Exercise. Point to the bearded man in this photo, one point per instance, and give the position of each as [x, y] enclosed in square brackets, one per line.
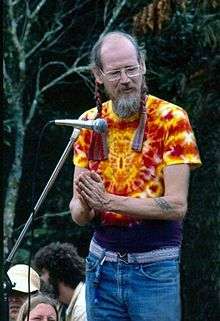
[132, 182]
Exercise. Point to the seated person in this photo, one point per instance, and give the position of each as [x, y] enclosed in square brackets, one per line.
[60, 265]
[18, 274]
[41, 308]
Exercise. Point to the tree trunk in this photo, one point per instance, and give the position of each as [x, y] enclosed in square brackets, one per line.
[14, 177]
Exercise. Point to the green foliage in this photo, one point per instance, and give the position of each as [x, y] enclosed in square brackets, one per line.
[181, 55]
[49, 228]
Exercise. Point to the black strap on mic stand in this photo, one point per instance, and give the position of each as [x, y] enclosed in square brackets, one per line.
[7, 284]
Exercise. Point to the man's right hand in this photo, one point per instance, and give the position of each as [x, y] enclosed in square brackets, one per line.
[80, 210]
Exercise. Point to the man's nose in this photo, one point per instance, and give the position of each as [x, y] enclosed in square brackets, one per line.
[124, 77]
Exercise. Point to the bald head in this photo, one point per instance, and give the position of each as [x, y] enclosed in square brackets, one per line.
[116, 43]
[111, 39]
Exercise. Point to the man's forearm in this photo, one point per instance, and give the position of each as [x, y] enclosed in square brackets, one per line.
[172, 206]
[161, 208]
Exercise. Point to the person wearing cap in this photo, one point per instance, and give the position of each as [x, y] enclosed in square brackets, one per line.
[60, 265]
[18, 274]
[131, 183]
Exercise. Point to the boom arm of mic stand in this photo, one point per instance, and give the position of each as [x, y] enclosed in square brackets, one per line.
[42, 197]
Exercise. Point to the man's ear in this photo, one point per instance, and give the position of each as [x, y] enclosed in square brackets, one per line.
[98, 76]
[143, 66]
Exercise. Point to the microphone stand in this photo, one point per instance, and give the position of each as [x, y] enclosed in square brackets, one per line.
[7, 288]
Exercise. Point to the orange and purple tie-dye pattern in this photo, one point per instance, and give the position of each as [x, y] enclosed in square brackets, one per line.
[169, 140]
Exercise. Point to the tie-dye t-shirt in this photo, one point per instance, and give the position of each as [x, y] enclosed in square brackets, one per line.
[168, 140]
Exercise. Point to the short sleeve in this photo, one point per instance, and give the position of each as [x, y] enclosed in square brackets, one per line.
[180, 144]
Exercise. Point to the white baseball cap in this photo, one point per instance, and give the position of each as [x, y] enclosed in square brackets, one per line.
[18, 275]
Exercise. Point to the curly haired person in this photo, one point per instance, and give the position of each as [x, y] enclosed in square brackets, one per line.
[60, 265]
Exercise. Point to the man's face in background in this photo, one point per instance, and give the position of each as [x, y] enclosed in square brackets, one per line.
[47, 285]
[16, 299]
[45, 275]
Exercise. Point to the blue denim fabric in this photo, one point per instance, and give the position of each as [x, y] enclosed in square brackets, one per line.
[132, 292]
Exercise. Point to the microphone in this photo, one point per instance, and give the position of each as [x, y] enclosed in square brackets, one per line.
[98, 125]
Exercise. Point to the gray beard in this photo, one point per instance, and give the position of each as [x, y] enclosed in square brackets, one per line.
[126, 106]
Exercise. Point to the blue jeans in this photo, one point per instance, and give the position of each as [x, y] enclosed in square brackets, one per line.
[132, 292]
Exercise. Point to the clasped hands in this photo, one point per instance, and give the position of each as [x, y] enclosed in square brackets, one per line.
[91, 190]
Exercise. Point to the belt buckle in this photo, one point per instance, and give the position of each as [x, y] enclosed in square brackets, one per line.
[123, 257]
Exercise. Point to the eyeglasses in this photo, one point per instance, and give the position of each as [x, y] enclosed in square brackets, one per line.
[115, 75]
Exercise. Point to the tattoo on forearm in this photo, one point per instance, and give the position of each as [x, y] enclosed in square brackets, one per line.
[163, 205]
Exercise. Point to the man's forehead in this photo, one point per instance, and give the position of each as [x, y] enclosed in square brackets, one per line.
[116, 40]
[117, 49]
[44, 270]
